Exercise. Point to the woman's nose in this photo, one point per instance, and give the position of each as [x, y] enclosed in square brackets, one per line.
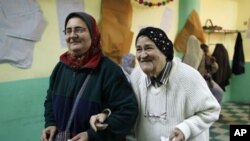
[73, 34]
[143, 54]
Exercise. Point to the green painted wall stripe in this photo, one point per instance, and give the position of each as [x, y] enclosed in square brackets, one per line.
[240, 89]
[185, 8]
[21, 106]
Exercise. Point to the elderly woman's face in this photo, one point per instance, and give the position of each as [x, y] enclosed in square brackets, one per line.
[150, 58]
[77, 37]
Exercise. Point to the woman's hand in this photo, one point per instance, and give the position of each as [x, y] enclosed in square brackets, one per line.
[48, 133]
[176, 135]
[83, 136]
[96, 121]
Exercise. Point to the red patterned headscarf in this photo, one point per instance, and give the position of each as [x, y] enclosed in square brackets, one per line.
[93, 55]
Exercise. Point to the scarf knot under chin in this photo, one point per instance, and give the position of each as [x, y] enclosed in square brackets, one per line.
[77, 63]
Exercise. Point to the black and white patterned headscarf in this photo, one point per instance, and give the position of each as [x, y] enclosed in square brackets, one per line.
[160, 39]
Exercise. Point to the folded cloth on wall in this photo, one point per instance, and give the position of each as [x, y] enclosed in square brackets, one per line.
[21, 25]
[21, 19]
[16, 51]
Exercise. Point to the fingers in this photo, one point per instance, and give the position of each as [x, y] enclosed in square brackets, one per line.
[172, 135]
[83, 136]
[101, 117]
[48, 133]
[101, 126]
[92, 122]
[51, 136]
[96, 122]
[177, 138]
[77, 137]
[44, 137]
[176, 135]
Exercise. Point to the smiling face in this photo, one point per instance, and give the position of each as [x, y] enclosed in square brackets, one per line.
[78, 37]
[150, 58]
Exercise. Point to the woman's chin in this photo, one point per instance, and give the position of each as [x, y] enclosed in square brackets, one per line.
[76, 53]
[75, 47]
[146, 70]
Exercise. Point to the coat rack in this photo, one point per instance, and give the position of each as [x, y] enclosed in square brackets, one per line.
[223, 31]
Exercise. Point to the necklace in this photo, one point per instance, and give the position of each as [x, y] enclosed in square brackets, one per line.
[147, 114]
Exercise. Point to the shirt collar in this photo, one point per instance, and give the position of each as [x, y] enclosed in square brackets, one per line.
[162, 78]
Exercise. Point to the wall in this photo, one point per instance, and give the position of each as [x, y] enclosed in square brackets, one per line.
[21, 106]
[239, 87]
[231, 15]
[152, 16]
[218, 15]
[243, 17]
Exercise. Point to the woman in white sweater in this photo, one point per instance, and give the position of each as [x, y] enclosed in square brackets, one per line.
[174, 99]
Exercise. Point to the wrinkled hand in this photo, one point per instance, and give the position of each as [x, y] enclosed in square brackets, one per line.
[96, 122]
[176, 135]
[48, 133]
[83, 136]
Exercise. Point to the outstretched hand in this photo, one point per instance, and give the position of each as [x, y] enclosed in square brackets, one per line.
[176, 135]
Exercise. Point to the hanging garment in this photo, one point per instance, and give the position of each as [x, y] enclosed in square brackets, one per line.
[196, 58]
[115, 28]
[224, 73]
[191, 27]
[194, 53]
[21, 25]
[238, 66]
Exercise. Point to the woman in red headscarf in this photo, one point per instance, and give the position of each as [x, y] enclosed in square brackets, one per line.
[84, 83]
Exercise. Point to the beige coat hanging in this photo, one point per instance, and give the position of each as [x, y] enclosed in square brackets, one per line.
[116, 16]
[191, 27]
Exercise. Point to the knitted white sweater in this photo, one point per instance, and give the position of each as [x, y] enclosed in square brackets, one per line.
[187, 100]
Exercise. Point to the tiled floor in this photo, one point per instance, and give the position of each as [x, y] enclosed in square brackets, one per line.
[232, 113]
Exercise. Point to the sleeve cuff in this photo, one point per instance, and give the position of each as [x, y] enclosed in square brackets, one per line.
[107, 111]
[185, 130]
[49, 124]
[91, 134]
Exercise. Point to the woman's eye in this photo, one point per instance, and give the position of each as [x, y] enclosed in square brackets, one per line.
[79, 30]
[138, 49]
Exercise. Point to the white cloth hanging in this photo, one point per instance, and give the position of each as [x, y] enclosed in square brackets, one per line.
[21, 25]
